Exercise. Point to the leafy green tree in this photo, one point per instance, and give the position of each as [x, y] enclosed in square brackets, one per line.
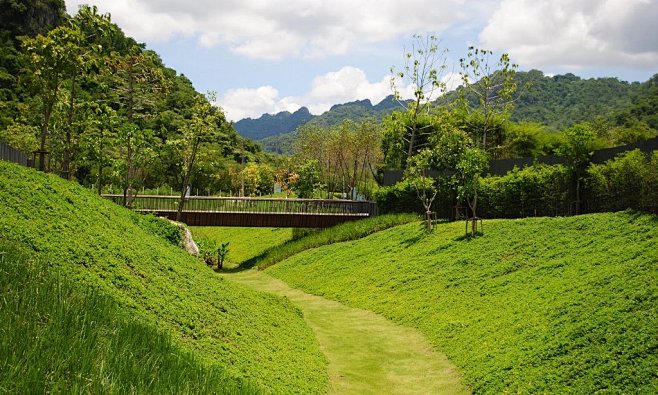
[493, 85]
[22, 137]
[578, 146]
[418, 175]
[87, 57]
[309, 179]
[137, 80]
[472, 162]
[49, 61]
[424, 69]
[204, 126]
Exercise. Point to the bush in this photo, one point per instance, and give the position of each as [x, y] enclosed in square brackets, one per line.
[537, 190]
[398, 198]
[627, 181]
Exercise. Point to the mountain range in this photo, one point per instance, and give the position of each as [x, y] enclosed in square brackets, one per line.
[558, 102]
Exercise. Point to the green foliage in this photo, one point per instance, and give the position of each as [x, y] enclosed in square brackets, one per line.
[243, 247]
[21, 137]
[493, 85]
[60, 337]
[398, 198]
[161, 227]
[629, 180]
[99, 246]
[344, 232]
[545, 305]
[537, 190]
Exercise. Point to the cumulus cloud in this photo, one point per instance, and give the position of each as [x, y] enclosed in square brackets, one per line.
[574, 34]
[345, 85]
[273, 30]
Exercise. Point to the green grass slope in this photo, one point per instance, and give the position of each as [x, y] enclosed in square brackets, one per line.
[57, 337]
[244, 243]
[545, 305]
[96, 245]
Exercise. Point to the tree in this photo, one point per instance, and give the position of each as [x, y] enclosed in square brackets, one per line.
[471, 164]
[204, 126]
[578, 146]
[309, 179]
[424, 69]
[417, 173]
[49, 61]
[460, 164]
[86, 56]
[356, 152]
[493, 85]
[136, 77]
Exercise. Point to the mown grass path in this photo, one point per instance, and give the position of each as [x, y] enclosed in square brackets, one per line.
[367, 353]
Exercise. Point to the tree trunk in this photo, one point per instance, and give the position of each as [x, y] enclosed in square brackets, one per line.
[100, 166]
[186, 180]
[47, 112]
[66, 163]
[128, 188]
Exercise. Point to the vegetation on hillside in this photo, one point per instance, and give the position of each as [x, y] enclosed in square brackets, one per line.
[272, 125]
[101, 108]
[103, 248]
[544, 305]
[344, 232]
[59, 337]
[551, 103]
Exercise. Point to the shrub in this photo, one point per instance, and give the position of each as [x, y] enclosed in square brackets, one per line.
[627, 181]
[537, 190]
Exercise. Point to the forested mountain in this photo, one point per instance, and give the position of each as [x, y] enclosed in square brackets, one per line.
[555, 101]
[270, 125]
[96, 106]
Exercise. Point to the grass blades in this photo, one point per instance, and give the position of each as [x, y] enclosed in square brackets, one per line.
[256, 338]
[545, 305]
[367, 353]
[244, 243]
[344, 232]
[56, 337]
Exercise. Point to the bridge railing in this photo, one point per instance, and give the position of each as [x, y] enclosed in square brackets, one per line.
[249, 205]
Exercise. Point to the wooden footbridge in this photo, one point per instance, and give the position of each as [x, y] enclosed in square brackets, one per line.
[254, 212]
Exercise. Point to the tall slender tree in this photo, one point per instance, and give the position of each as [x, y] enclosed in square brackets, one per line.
[205, 125]
[424, 70]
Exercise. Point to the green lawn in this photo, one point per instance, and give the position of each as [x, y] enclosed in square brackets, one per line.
[244, 243]
[367, 353]
[128, 258]
[546, 305]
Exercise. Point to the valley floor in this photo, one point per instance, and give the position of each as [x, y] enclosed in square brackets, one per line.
[367, 353]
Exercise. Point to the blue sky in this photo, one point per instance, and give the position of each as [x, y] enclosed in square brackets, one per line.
[265, 56]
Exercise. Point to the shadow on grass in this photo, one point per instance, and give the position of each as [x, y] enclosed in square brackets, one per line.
[469, 236]
[246, 265]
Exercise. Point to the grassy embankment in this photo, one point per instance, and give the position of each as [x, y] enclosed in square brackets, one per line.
[266, 246]
[545, 305]
[115, 281]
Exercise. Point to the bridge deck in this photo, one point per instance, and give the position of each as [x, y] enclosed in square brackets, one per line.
[254, 212]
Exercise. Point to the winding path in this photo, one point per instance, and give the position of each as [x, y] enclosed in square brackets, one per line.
[367, 353]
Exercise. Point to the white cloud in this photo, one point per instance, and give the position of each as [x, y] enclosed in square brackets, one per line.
[345, 85]
[273, 30]
[243, 103]
[573, 34]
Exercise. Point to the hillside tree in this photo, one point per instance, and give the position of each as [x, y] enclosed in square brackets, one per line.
[493, 85]
[424, 70]
[204, 126]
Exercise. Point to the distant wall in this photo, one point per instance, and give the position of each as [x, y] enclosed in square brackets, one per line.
[11, 154]
[503, 166]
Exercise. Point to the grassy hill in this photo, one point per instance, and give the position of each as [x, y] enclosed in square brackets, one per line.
[91, 246]
[544, 305]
